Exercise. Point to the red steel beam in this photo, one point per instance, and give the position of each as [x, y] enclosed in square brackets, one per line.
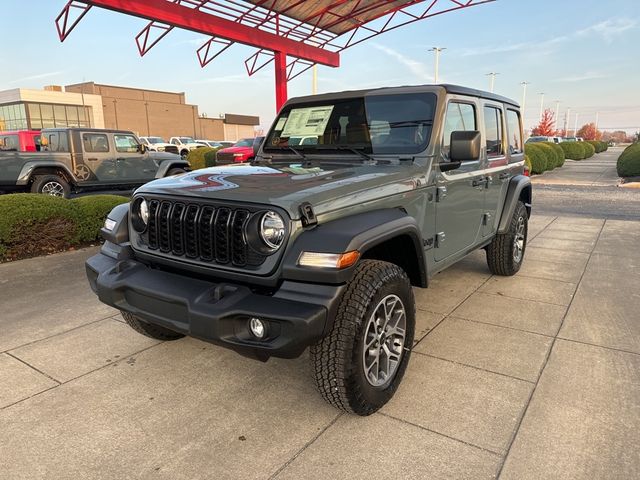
[197, 21]
[281, 79]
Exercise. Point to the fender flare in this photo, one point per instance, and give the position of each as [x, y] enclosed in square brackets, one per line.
[166, 165]
[26, 173]
[519, 187]
[355, 232]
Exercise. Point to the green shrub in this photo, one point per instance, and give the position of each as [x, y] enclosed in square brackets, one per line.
[588, 149]
[210, 157]
[549, 154]
[559, 153]
[573, 150]
[32, 224]
[629, 161]
[196, 157]
[537, 157]
[599, 146]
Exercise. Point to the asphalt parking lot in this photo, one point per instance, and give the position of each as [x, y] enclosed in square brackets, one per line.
[536, 376]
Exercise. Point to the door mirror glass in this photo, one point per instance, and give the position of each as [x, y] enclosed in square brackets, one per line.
[256, 145]
[465, 146]
[142, 148]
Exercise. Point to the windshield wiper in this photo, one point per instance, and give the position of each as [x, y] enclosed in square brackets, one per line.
[357, 151]
[411, 123]
[297, 152]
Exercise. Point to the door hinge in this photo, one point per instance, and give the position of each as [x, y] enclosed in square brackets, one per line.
[486, 219]
[441, 193]
[440, 238]
[308, 215]
[428, 243]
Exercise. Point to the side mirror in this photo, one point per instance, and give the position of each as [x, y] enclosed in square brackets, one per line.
[465, 146]
[142, 148]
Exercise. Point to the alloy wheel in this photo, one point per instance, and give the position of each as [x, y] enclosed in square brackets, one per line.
[518, 241]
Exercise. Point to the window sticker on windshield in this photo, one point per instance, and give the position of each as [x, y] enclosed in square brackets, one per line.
[280, 124]
[307, 121]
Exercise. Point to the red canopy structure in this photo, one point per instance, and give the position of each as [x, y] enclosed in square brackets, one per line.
[294, 34]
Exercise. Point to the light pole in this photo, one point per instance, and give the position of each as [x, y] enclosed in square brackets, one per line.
[566, 122]
[575, 127]
[541, 104]
[524, 96]
[437, 51]
[557, 113]
[492, 80]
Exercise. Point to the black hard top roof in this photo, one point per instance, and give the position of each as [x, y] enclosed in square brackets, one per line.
[91, 130]
[454, 89]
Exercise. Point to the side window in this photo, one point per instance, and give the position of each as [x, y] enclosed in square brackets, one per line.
[11, 143]
[460, 116]
[36, 142]
[493, 125]
[174, 141]
[57, 142]
[95, 142]
[515, 132]
[126, 143]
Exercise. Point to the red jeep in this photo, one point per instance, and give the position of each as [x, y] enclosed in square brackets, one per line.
[20, 141]
[242, 151]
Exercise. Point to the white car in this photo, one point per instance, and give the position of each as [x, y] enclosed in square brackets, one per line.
[210, 143]
[157, 144]
[185, 145]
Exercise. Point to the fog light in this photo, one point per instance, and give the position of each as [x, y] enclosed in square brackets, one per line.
[258, 327]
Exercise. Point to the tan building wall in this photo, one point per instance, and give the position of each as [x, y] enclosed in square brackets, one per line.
[164, 114]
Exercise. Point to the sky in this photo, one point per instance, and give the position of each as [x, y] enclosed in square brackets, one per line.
[583, 53]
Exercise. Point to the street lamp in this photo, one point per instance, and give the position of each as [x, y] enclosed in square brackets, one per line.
[524, 95]
[541, 104]
[492, 79]
[437, 51]
[557, 113]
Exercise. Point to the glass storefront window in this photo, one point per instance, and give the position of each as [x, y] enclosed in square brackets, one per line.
[47, 111]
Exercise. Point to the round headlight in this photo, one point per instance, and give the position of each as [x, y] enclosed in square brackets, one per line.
[272, 230]
[140, 214]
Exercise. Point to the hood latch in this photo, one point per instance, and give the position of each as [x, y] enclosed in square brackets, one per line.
[308, 215]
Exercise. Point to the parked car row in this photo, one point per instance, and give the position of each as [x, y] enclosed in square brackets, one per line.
[542, 138]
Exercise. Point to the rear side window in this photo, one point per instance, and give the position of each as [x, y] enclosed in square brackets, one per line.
[515, 132]
[10, 143]
[126, 143]
[493, 125]
[57, 142]
[95, 142]
[459, 117]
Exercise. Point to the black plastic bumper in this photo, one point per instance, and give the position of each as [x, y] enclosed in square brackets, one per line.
[298, 314]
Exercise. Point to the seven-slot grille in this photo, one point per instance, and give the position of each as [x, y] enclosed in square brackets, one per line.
[224, 157]
[212, 234]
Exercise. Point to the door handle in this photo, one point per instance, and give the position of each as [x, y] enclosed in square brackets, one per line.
[92, 159]
[504, 175]
[484, 181]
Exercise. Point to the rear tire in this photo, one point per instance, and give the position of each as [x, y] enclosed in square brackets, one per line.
[148, 329]
[506, 252]
[53, 185]
[358, 366]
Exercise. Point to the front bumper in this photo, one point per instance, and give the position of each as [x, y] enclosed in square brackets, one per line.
[298, 314]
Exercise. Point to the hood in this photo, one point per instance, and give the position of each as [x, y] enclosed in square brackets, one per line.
[326, 187]
[163, 156]
[236, 150]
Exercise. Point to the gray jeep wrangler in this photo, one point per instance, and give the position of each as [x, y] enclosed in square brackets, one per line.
[319, 243]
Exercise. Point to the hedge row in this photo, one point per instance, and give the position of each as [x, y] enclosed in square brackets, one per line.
[577, 150]
[629, 161]
[33, 224]
[202, 157]
[544, 156]
[599, 146]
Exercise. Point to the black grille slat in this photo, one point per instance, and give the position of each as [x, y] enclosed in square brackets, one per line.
[238, 243]
[221, 234]
[152, 227]
[191, 231]
[164, 236]
[207, 233]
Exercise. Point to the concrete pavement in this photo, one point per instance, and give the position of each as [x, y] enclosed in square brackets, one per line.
[533, 376]
[597, 171]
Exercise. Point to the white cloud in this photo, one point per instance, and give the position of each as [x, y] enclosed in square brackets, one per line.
[417, 68]
[608, 29]
[584, 76]
[36, 77]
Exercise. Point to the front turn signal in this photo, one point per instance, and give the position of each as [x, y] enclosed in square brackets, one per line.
[328, 260]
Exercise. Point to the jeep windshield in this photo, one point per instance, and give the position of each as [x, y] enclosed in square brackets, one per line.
[373, 124]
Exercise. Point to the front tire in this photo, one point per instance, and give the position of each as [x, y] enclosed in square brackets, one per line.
[359, 365]
[149, 329]
[506, 252]
[51, 185]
